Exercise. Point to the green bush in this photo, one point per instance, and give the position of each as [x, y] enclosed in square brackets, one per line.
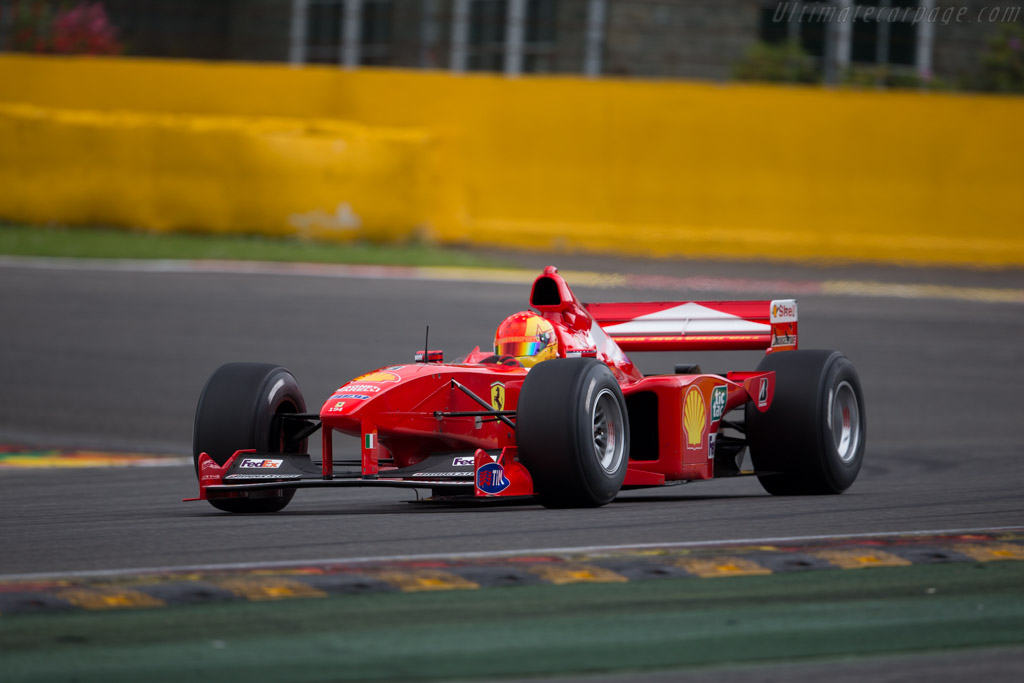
[885, 77]
[777, 62]
[1002, 64]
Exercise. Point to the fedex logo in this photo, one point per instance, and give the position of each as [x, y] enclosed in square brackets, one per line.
[249, 463]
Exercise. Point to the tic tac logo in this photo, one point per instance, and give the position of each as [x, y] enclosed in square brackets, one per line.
[719, 397]
[248, 463]
[695, 418]
[498, 396]
[490, 478]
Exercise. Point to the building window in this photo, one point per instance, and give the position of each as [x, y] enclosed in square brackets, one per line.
[377, 35]
[771, 29]
[812, 38]
[902, 43]
[887, 36]
[797, 23]
[880, 31]
[540, 36]
[487, 25]
[325, 31]
[488, 29]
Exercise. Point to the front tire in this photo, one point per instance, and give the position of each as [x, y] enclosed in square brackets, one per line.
[236, 411]
[572, 432]
[812, 438]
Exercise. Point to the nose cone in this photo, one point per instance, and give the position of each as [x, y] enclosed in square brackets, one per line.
[350, 401]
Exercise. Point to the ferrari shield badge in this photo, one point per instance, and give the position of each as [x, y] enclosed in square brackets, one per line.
[498, 396]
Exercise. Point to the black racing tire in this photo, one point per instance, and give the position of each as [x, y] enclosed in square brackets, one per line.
[811, 440]
[572, 432]
[236, 411]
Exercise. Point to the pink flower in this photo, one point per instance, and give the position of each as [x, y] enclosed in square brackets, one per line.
[86, 29]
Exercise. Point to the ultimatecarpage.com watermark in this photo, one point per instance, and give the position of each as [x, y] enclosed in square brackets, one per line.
[938, 14]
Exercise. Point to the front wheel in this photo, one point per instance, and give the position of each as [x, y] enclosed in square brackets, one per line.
[811, 440]
[237, 411]
[572, 432]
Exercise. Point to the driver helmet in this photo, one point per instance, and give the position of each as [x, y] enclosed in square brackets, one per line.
[527, 337]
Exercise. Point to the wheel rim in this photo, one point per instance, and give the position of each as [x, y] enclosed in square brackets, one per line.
[608, 432]
[844, 422]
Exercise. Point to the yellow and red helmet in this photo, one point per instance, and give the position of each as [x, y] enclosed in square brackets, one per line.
[528, 337]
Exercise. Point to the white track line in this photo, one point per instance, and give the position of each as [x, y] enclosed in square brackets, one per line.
[569, 550]
[851, 288]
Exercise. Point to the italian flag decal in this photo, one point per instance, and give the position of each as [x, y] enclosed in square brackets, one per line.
[369, 441]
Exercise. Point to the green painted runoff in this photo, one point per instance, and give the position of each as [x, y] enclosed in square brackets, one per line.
[531, 630]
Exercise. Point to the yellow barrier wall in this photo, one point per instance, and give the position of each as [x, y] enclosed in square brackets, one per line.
[640, 167]
[220, 174]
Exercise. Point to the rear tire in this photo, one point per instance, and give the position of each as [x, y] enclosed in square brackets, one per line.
[236, 411]
[812, 438]
[572, 432]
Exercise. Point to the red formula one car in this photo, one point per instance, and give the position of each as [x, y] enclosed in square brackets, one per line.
[555, 411]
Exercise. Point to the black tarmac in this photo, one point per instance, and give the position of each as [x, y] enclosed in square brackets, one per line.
[115, 359]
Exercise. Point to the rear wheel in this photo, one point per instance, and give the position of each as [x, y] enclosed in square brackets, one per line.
[237, 411]
[572, 432]
[811, 440]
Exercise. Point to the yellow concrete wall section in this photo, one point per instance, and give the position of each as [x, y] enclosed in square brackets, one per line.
[222, 174]
[663, 168]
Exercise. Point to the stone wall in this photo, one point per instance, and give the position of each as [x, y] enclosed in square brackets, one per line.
[678, 38]
[959, 46]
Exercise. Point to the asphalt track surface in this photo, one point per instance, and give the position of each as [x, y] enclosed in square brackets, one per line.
[100, 358]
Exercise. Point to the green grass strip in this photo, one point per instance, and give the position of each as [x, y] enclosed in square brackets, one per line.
[535, 630]
[19, 240]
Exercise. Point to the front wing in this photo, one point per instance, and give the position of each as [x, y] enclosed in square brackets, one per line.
[481, 473]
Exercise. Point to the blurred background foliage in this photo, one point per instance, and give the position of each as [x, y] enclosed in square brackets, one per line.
[782, 62]
[64, 28]
[1002, 64]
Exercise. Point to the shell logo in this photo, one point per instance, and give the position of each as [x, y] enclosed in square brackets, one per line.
[694, 418]
[378, 377]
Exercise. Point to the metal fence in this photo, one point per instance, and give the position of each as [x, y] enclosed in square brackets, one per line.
[509, 36]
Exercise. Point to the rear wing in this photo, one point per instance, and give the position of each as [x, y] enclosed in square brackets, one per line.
[699, 325]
